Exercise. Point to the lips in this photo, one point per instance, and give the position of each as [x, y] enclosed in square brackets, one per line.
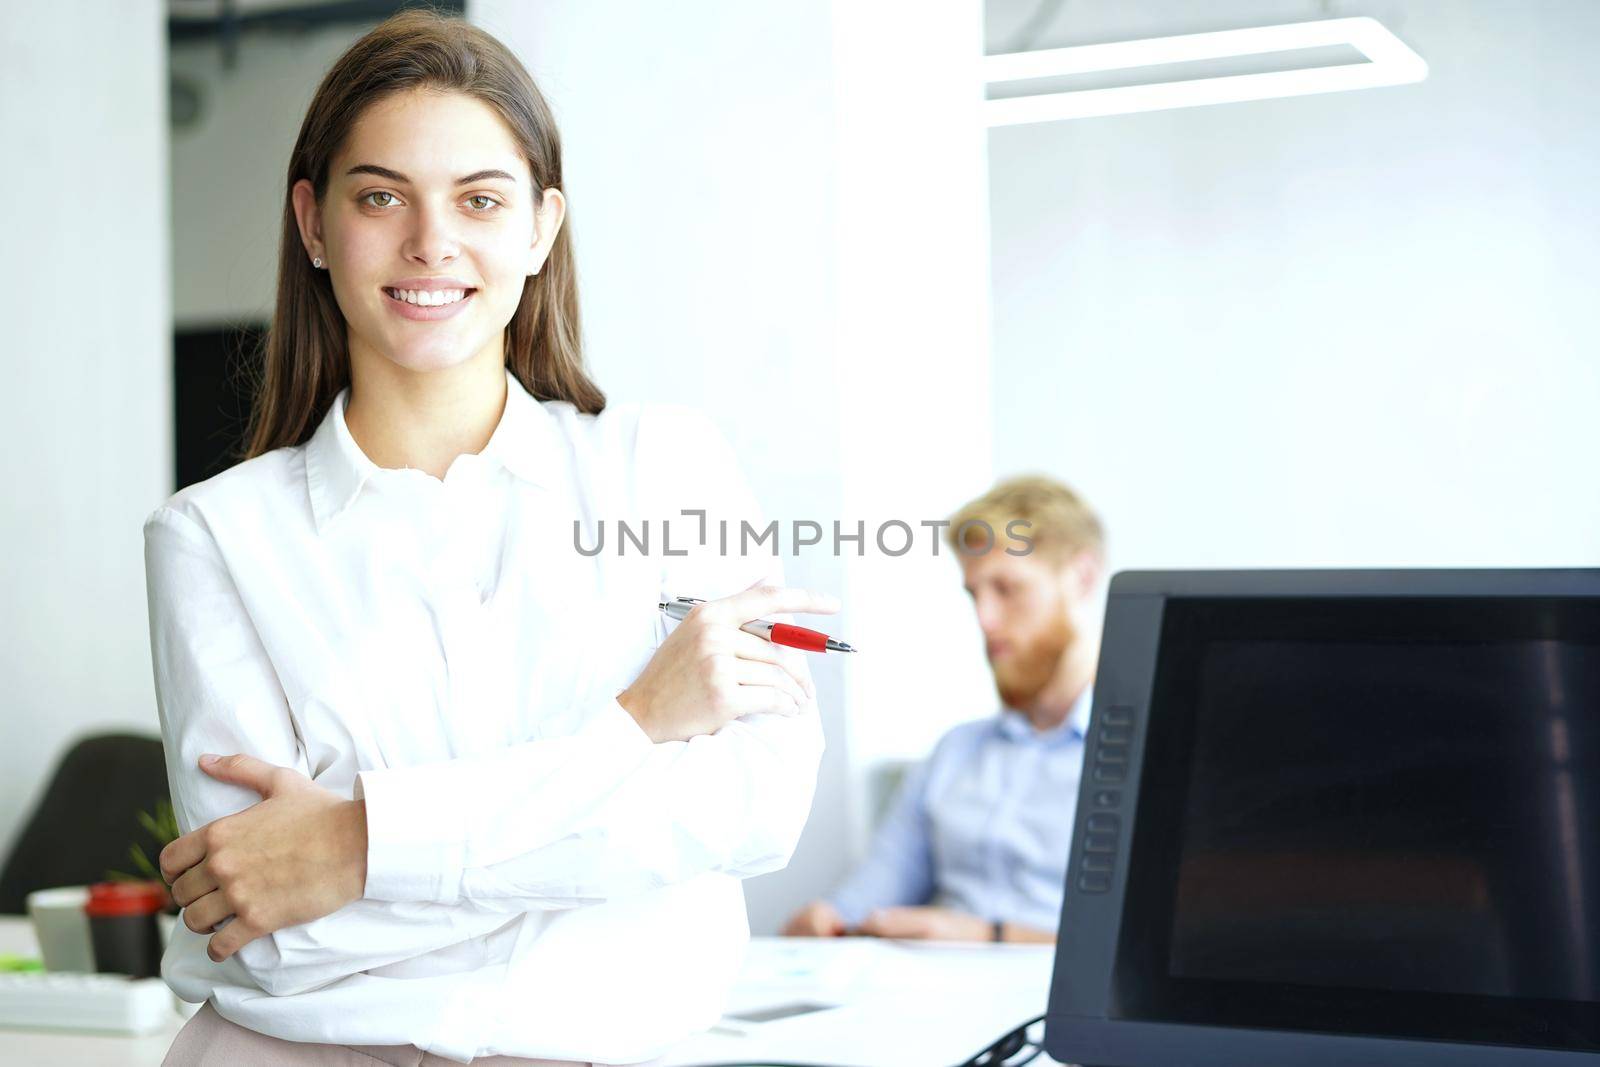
[427, 312]
[430, 282]
[427, 294]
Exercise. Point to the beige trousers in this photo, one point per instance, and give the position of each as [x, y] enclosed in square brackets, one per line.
[209, 1040]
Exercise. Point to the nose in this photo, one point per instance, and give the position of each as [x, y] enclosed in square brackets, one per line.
[432, 240]
[988, 614]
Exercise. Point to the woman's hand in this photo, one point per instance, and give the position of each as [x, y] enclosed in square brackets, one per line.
[709, 672]
[299, 854]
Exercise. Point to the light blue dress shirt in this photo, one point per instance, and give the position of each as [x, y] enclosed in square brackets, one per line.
[982, 826]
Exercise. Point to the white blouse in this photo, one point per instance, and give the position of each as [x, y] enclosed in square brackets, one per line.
[542, 880]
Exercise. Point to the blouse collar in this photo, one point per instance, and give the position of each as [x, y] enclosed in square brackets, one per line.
[525, 442]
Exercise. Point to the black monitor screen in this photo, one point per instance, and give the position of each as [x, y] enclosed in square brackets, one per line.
[1372, 817]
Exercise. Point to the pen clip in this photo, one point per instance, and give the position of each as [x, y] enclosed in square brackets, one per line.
[678, 606]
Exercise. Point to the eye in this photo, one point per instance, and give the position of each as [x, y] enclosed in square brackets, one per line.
[368, 198]
[490, 203]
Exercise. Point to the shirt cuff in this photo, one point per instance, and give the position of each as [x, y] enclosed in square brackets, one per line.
[852, 911]
[413, 852]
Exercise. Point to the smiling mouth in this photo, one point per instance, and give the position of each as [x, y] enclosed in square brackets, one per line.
[437, 298]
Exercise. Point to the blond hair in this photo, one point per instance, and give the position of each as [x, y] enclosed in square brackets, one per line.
[1049, 518]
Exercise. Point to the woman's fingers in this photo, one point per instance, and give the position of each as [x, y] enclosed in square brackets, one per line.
[750, 647]
[206, 912]
[182, 853]
[230, 939]
[193, 884]
[751, 672]
[708, 671]
[763, 599]
[761, 699]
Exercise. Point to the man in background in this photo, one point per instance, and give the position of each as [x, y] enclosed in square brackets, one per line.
[975, 844]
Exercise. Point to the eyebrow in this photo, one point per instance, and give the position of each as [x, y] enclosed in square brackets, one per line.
[396, 176]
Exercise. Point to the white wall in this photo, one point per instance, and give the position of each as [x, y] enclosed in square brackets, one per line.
[760, 234]
[86, 353]
[1338, 330]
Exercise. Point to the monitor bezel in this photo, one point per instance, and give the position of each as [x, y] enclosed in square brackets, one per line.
[1079, 1025]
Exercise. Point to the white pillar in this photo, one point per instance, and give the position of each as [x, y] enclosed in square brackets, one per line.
[780, 217]
[85, 349]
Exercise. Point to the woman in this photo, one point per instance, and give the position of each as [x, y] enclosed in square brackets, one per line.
[483, 808]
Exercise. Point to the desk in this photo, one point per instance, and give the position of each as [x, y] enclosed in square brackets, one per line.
[901, 1004]
[68, 1048]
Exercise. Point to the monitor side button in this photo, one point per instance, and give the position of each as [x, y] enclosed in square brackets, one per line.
[1107, 798]
[1100, 843]
[1098, 864]
[1104, 821]
[1094, 883]
[1109, 773]
[1118, 715]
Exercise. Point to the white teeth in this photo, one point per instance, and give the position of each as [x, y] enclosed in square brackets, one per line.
[423, 298]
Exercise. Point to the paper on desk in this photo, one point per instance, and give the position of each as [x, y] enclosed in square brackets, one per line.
[825, 968]
[840, 969]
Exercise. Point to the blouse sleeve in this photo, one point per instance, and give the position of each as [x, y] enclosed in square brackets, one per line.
[216, 691]
[606, 812]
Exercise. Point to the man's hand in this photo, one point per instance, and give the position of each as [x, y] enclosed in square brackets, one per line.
[817, 919]
[931, 924]
[299, 854]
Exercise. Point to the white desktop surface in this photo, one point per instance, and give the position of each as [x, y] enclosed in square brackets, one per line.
[901, 1004]
[70, 1048]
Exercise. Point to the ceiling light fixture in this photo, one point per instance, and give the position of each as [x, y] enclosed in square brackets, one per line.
[1388, 62]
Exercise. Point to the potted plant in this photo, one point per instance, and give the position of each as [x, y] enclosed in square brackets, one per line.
[162, 827]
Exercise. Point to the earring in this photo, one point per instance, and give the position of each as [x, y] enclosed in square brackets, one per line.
[317, 262]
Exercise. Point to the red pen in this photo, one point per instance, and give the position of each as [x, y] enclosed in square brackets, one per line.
[779, 633]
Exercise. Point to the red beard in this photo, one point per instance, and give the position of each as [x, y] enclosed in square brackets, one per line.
[1023, 676]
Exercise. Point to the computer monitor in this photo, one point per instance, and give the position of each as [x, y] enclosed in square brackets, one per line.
[1338, 817]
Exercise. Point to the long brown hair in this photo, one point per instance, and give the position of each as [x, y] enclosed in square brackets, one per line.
[302, 361]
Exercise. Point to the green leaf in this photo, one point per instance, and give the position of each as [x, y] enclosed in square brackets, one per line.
[162, 825]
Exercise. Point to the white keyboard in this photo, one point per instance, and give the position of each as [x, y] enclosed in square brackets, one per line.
[65, 1000]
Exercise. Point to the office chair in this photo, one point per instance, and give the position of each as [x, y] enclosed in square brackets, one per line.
[87, 818]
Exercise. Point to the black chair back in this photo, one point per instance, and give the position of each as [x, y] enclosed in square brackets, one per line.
[87, 817]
